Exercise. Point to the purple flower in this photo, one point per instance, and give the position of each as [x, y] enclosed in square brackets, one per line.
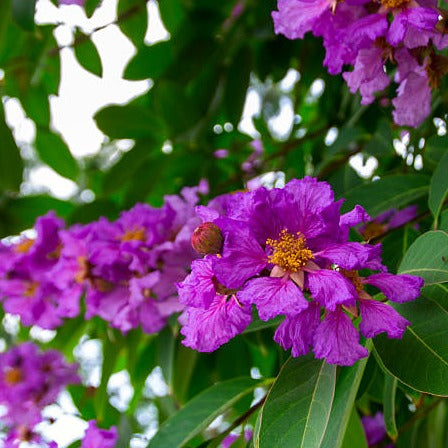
[374, 428]
[231, 438]
[99, 438]
[354, 33]
[286, 252]
[387, 220]
[72, 2]
[30, 380]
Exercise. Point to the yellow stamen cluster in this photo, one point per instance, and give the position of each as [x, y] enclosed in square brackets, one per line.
[13, 376]
[290, 251]
[394, 3]
[136, 234]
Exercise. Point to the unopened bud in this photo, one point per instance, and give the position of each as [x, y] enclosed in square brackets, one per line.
[207, 239]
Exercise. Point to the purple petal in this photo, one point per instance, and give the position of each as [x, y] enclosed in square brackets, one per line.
[296, 17]
[242, 258]
[337, 340]
[413, 102]
[273, 296]
[206, 330]
[330, 288]
[379, 317]
[374, 427]
[352, 255]
[197, 289]
[351, 219]
[298, 331]
[398, 288]
[368, 75]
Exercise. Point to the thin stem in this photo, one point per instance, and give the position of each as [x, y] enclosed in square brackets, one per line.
[425, 411]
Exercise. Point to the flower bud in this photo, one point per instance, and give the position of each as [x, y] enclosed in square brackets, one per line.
[207, 239]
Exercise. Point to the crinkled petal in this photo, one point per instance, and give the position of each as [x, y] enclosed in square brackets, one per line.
[197, 289]
[273, 296]
[379, 317]
[398, 288]
[413, 102]
[357, 216]
[337, 341]
[298, 331]
[206, 330]
[242, 258]
[368, 74]
[330, 288]
[296, 17]
[352, 255]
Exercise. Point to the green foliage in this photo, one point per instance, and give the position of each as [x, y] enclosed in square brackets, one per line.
[197, 414]
[297, 409]
[200, 77]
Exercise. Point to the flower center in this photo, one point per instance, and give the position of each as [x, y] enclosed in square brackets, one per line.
[394, 3]
[13, 375]
[373, 229]
[24, 246]
[136, 234]
[354, 278]
[30, 289]
[290, 251]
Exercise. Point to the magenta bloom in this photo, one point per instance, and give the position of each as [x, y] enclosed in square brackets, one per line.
[286, 252]
[99, 438]
[374, 428]
[31, 380]
[370, 39]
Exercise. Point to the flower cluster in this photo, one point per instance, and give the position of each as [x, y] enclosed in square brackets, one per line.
[29, 381]
[127, 269]
[286, 251]
[375, 37]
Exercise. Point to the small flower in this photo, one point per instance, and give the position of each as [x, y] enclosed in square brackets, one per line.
[95, 437]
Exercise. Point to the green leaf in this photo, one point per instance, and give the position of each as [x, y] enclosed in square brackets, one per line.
[23, 13]
[150, 62]
[172, 13]
[355, 436]
[87, 54]
[347, 385]
[386, 193]
[199, 412]
[90, 7]
[297, 409]
[124, 170]
[438, 189]
[390, 391]
[133, 19]
[427, 257]
[128, 121]
[53, 151]
[238, 79]
[11, 164]
[420, 359]
[178, 111]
